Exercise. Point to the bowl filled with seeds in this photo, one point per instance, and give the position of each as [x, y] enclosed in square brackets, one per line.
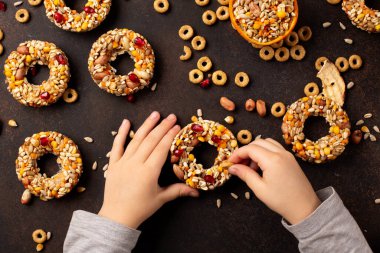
[263, 22]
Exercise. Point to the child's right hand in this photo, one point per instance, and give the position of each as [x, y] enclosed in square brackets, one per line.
[283, 186]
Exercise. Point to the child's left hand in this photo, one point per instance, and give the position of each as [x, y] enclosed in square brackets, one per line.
[132, 193]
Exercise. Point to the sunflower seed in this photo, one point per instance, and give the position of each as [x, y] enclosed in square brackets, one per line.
[48, 235]
[350, 85]
[359, 122]
[367, 115]
[326, 24]
[376, 128]
[95, 165]
[372, 137]
[218, 203]
[88, 139]
[247, 195]
[81, 189]
[154, 87]
[108, 155]
[377, 201]
[342, 26]
[114, 133]
[366, 135]
[234, 195]
[348, 41]
[131, 134]
[12, 123]
[18, 3]
[105, 167]
[199, 113]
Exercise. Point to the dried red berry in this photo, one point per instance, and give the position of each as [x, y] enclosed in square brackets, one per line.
[131, 98]
[215, 139]
[58, 17]
[33, 71]
[178, 152]
[89, 10]
[205, 83]
[134, 78]
[44, 141]
[45, 95]
[61, 59]
[139, 42]
[209, 179]
[3, 6]
[197, 128]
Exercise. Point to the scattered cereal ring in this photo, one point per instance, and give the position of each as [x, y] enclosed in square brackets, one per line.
[34, 2]
[107, 48]
[362, 16]
[70, 96]
[187, 54]
[319, 62]
[355, 61]
[186, 32]
[277, 44]
[342, 64]
[195, 76]
[39, 236]
[305, 33]
[297, 52]
[1, 49]
[282, 54]
[278, 109]
[222, 13]
[223, 2]
[219, 78]
[311, 89]
[244, 137]
[204, 64]
[198, 43]
[202, 2]
[209, 17]
[67, 19]
[241, 79]
[292, 39]
[69, 160]
[1, 34]
[27, 55]
[266, 53]
[326, 148]
[185, 164]
[22, 15]
[161, 6]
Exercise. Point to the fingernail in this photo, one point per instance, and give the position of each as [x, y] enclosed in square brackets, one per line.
[124, 122]
[171, 117]
[194, 194]
[232, 170]
[154, 115]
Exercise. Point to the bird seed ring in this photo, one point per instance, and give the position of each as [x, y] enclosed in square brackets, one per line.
[223, 2]
[242, 79]
[204, 64]
[326, 148]
[222, 13]
[305, 33]
[185, 164]
[22, 15]
[161, 6]
[292, 39]
[70, 96]
[319, 62]
[362, 16]
[355, 61]
[297, 52]
[282, 54]
[198, 43]
[219, 78]
[34, 2]
[342, 64]
[39, 236]
[311, 89]
[93, 14]
[187, 54]
[69, 161]
[107, 48]
[195, 76]
[209, 17]
[202, 2]
[186, 32]
[244, 137]
[267, 53]
[278, 109]
[27, 55]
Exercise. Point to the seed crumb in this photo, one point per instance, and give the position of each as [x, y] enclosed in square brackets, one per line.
[88, 139]
[326, 24]
[114, 133]
[105, 167]
[349, 41]
[95, 165]
[234, 195]
[247, 195]
[342, 26]
[218, 203]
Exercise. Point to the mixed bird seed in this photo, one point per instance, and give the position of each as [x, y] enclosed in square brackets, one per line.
[362, 16]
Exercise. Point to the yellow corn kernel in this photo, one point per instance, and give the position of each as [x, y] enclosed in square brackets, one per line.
[201, 139]
[281, 14]
[377, 27]
[335, 129]
[56, 2]
[222, 145]
[191, 157]
[194, 119]
[317, 154]
[79, 160]
[134, 53]
[220, 168]
[361, 16]
[137, 66]
[221, 128]
[28, 58]
[12, 86]
[84, 26]
[54, 144]
[305, 99]
[299, 146]
[115, 44]
[217, 133]
[19, 82]
[327, 151]
[8, 73]
[77, 18]
[190, 182]
[37, 189]
[257, 25]
[13, 78]
[209, 172]
[365, 129]
[233, 143]
[63, 77]
[21, 172]
[178, 142]
[309, 147]
[248, 13]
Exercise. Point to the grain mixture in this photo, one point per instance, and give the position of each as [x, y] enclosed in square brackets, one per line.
[362, 16]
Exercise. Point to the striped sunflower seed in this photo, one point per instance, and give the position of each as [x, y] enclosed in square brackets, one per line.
[350, 85]
[218, 203]
[234, 195]
[18, 3]
[88, 139]
[48, 236]
[372, 137]
[199, 113]
[154, 87]
[366, 135]
[105, 167]
[367, 115]
[95, 165]
[376, 128]
[326, 24]
[359, 122]
[342, 26]
[108, 155]
[377, 201]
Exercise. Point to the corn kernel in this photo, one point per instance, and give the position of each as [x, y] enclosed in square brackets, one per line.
[361, 16]
[299, 146]
[191, 157]
[327, 151]
[209, 172]
[19, 82]
[221, 128]
[194, 119]
[56, 2]
[335, 129]
[365, 129]
[77, 18]
[28, 58]
[178, 142]
[201, 138]
[8, 73]
[217, 133]
[134, 53]
[257, 25]
[220, 168]
[54, 144]
[79, 160]
[281, 14]
[115, 44]
[233, 143]
[377, 27]
[317, 154]
[84, 26]
[222, 145]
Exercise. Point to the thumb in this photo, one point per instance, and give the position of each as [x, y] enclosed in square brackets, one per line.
[174, 191]
[248, 175]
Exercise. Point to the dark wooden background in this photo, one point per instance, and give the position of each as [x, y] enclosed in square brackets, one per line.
[188, 225]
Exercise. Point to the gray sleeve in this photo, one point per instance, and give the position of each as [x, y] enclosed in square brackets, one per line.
[330, 228]
[89, 233]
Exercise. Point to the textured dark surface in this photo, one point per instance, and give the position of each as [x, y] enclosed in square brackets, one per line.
[188, 225]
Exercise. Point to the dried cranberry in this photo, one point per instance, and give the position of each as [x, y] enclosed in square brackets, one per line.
[197, 128]
[209, 179]
[131, 98]
[178, 152]
[134, 78]
[61, 59]
[3, 6]
[58, 17]
[215, 139]
[33, 71]
[205, 83]
[139, 42]
[89, 10]
[44, 141]
[45, 95]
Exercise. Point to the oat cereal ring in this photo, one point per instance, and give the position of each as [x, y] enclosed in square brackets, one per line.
[241, 79]
[186, 32]
[223, 2]
[185, 165]
[22, 15]
[219, 78]
[209, 17]
[282, 54]
[187, 54]
[277, 44]
[319, 62]
[93, 14]
[256, 46]
[292, 39]
[266, 53]
[311, 89]
[204, 64]
[1, 34]
[70, 96]
[326, 148]
[196, 76]
[342, 64]
[198, 43]
[355, 61]
[1, 49]
[39, 236]
[161, 6]
[305, 33]
[34, 2]
[69, 161]
[362, 16]
[244, 137]
[107, 48]
[278, 109]
[297, 52]
[222, 13]
[27, 55]
[202, 2]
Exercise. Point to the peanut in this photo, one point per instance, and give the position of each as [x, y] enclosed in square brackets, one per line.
[20, 74]
[102, 60]
[227, 104]
[250, 105]
[26, 197]
[23, 50]
[100, 75]
[178, 172]
[174, 159]
[261, 108]
[356, 136]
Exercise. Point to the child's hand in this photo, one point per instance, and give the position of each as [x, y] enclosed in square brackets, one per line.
[132, 193]
[283, 186]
